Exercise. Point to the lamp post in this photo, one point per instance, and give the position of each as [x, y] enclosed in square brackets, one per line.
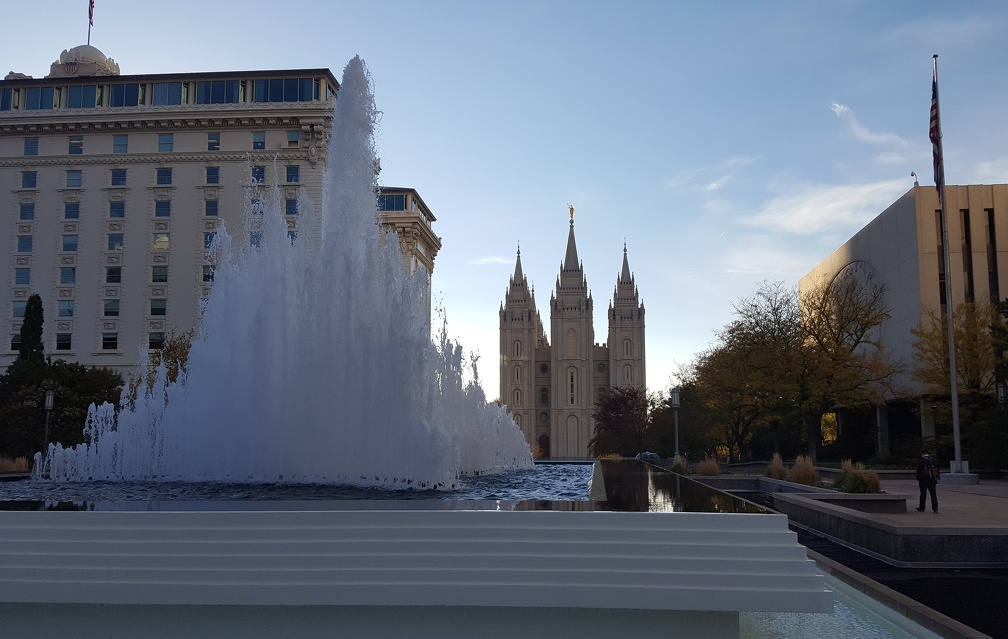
[1001, 394]
[674, 403]
[50, 395]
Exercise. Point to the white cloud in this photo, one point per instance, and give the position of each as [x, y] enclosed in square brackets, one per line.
[703, 178]
[816, 208]
[863, 133]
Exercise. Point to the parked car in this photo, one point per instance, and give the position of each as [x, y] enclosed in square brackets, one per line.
[648, 456]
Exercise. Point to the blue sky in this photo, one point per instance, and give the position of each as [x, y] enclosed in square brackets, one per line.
[727, 143]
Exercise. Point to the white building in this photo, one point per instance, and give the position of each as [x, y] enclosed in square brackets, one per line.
[114, 186]
[551, 390]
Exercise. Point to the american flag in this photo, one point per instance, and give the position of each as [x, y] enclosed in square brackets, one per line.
[91, 13]
[935, 135]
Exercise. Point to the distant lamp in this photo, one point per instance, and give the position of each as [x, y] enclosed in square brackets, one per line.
[50, 397]
[674, 403]
[914, 176]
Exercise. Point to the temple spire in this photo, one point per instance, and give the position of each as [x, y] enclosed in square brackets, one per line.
[625, 274]
[571, 259]
[518, 276]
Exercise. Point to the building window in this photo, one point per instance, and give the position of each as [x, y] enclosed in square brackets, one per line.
[113, 274]
[120, 143]
[210, 208]
[159, 274]
[155, 341]
[392, 202]
[517, 373]
[15, 339]
[111, 308]
[84, 97]
[76, 145]
[158, 306]
[24, 244]
[118, 177]
[27, 210]
[71, 210]
[162, 208]
[117, 210]
[166, 142]
[517, 348]
[64, 341]
[164, 177]
[39, 98]
[19, 309]
[208, 272]
[110, 341]
[68, 275]
[544, 396]
[293, 174]
[517, 397]
[290, 206]
[213, 141]
[258, 140]
[208, 240]
[258, 174]
[627, 374]
[22, 277]
[293, 139]
[28, 179]
[627, 351]
[115, 241]
[127, 95]
[31, 146]
[219, 92]
[213, 175]
[69, 243]
[255, 239]
[160, 242]
[65, 308]
[572, 386]
[169, 93]
[74, 179]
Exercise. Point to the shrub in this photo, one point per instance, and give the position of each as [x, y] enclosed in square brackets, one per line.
[803, 472]
[679, 465]
[854, 478]
[19, 465]
[776, 468]
[610, 456]
[709, 467]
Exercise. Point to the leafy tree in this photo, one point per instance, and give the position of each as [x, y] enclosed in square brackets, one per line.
[173, 357]
[621, 422]
[999, 332]
[31, 329]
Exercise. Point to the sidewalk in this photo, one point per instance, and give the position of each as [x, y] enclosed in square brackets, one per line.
[962, 506]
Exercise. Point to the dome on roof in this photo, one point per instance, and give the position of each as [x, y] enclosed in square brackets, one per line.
[83, 60]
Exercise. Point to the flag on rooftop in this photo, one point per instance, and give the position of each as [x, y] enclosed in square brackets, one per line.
[935, 135]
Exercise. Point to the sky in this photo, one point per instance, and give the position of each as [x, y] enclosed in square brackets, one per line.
[726, 144]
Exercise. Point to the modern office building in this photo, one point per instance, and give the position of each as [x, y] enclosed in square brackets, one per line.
[551, 390]
[902, 248]
[114, 186]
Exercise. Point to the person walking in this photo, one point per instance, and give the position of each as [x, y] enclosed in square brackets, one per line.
[927, 479]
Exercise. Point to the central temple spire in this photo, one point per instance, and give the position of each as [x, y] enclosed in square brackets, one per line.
[571, 259]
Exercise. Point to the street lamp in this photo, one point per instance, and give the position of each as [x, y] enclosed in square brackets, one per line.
[50, 395]
[674, 403]
[1001, 394]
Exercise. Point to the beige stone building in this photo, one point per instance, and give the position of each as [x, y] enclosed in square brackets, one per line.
[114, 185]
[902, 249]
[551, 389]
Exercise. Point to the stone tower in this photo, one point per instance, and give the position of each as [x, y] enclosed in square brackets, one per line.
[519, 331]
[626, 331]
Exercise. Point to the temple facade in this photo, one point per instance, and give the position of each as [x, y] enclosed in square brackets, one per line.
[551, 389]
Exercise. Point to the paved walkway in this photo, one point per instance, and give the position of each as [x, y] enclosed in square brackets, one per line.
[964, 506]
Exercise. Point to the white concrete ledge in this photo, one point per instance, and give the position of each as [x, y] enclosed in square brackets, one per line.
[644, 561]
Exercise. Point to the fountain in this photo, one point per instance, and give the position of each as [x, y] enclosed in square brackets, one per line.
[314, 362]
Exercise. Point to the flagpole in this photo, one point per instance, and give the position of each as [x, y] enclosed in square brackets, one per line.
[90, 20]
[939, 167]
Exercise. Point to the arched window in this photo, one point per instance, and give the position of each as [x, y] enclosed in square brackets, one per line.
[544, 396]
[627, 374]
[572, 383]
[571, 342]
[517, 419]
[517, 373]
[517, 348]
[572, 435]
[627, 351]
[517, 397]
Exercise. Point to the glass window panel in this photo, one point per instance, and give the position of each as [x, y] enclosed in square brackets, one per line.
[115, 241]
[65, 308]
[63, 341]
[31, 146]
[24, 244]
[213, 141]
[260, 91]
[155, 341]
[164, 176]
[28, 179]
[291, 90]
[76, 145]
[213, 175]
[276, 87]
[306, 90]
[118, 177]
[120, 143]
[210, 208]
[166, 142]
[113, 274]
[159, 273]
[19, 308]
[69, 243]
[117, 210]
[68, 275]
[22, 277]
[73, 179]
[208, 273]
[71, 210]
[111, 308]
[160, 242]
[28, 211]
[293, 174]
[110, 341]
[258, 139]
[162, 208]
[290, 207]
[259, 174]
[158, 307]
